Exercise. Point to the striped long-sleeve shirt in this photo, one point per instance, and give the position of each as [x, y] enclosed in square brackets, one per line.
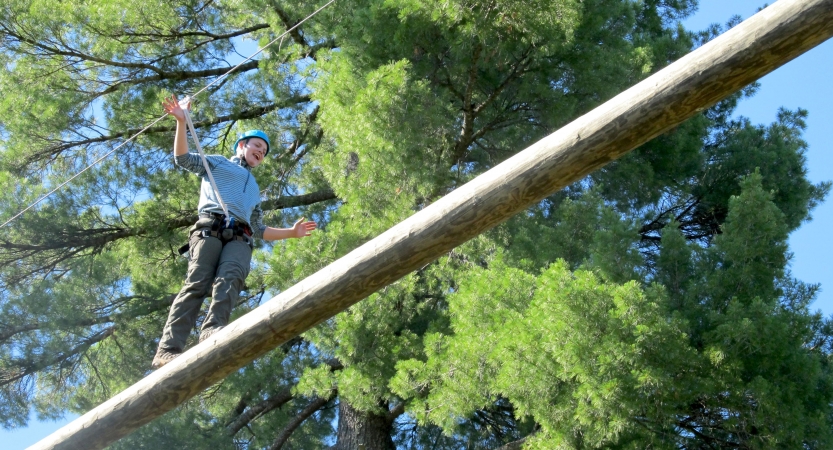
[237, 187]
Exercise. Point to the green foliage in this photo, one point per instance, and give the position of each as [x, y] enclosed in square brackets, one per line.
[578, 355]
[396, 132]
[647, 306]
[598, 364]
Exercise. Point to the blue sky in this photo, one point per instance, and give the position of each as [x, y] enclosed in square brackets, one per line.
[802, 83]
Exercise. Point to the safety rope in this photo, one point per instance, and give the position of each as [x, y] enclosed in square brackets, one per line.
[184, 104]
[131, 138]
[205, 164]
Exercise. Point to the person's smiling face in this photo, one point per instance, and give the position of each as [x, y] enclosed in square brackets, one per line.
[252, 150]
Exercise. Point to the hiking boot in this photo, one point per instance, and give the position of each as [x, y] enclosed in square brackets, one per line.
[205, 334]
[163, 356]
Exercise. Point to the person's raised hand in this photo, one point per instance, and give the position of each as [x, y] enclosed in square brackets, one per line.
[173, 108]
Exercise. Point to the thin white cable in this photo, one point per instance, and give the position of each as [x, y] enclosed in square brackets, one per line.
[82, 171]
[205, 164]
[159, 119]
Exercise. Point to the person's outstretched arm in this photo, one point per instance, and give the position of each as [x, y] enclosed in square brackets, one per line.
[300, 229]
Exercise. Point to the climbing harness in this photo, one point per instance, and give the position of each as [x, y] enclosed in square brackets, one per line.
[220, 229]
[131, 138]
[224, 232]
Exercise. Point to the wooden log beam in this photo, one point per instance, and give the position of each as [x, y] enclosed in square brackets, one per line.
[747, 52]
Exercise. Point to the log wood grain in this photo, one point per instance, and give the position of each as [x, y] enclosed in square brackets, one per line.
[745, 53]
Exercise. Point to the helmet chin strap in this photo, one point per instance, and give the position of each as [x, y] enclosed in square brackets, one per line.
[242, 157]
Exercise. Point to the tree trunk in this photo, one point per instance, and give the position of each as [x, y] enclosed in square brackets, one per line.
[359, 430]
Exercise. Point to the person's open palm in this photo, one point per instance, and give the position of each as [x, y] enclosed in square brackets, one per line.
[173, 108]
[302, 228]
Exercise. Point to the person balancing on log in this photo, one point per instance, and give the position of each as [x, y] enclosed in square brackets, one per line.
[221, 242]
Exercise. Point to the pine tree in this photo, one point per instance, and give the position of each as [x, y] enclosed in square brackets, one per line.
[649, 305]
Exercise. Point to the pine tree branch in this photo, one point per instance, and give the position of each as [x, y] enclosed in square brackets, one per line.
[711, 441]
[515, 445]
[252, 113]
[300, 142]
[70, 323]
[334, 363]
[310, 409]
[8, 332]
[72, 53]
[293, 201]
[252, 413]
[22, 368]
[281, 398]
[657, 224]
[518, 69]
[311, 118]
[178, 36]
[297, 35]
[96, 238]
[289, 23]
[472, 111]
[50, 265]
[136, 67]
[179, 75]
[101, 381]
[78, 242]
[469, 115]
[68, 51]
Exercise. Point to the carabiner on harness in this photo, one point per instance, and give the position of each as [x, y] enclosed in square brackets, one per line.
[228, 230]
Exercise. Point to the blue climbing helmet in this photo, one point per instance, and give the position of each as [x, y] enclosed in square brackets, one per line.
[251, 134]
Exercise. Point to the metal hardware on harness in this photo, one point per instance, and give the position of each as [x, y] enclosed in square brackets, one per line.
[225, 235]
[219, 230]
[222, 223]
[228, 229]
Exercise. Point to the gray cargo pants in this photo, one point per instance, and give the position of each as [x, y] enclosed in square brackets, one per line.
[213, 268]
